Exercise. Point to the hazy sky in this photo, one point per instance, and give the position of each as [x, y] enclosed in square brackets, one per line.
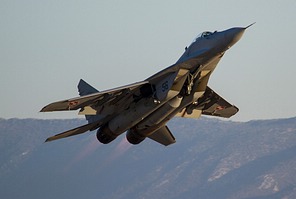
[47, 46]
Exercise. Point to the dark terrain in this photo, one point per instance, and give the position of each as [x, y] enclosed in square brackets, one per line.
[211, 159]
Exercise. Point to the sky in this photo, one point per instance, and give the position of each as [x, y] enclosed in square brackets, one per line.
[47, 46]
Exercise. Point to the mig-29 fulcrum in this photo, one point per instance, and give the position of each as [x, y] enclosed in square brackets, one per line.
[143, 109]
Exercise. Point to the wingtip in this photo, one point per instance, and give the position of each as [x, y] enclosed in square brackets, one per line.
[47, 108]
[48, 140]
[43, 109]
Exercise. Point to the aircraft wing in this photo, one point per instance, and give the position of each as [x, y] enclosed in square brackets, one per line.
[209, 104]
[97, 98]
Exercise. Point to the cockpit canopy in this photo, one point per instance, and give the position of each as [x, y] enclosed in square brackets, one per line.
[203, 35]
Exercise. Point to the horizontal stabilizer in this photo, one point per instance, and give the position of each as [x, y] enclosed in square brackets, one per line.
[209, 104]
[217, 106]
[76, 131]
[163, 136]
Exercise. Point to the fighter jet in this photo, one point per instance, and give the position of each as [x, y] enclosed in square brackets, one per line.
[142, 109]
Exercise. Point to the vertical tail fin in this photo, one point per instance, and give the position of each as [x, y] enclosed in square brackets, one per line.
[85, 89]
[163, 136]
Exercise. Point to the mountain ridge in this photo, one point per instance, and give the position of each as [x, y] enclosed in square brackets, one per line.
[211, 159]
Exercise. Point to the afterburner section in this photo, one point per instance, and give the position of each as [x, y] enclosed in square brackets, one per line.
[105, 135]
[133, 137]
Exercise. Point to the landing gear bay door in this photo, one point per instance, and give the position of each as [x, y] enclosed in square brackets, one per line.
[169, 82]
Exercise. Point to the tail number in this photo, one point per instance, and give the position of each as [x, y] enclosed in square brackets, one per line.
[165, 86]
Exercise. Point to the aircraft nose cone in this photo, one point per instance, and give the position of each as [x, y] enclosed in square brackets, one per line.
[233, 35]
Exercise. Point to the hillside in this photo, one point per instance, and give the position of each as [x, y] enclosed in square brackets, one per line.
[211, 159]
